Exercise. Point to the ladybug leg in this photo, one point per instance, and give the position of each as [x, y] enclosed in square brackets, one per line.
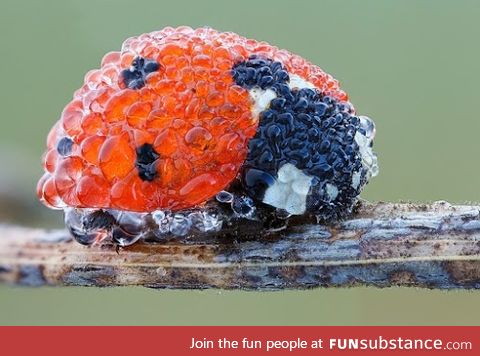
[101, 236]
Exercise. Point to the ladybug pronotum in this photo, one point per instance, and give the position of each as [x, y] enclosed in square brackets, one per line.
[182, 120]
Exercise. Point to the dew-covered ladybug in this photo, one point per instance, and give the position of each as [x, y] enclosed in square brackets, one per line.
[181, 120]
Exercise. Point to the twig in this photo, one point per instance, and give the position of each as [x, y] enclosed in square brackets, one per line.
[383, 244]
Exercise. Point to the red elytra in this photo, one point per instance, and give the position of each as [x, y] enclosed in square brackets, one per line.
[190, 110]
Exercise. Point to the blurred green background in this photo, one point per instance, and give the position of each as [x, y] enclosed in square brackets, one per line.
[413, 66]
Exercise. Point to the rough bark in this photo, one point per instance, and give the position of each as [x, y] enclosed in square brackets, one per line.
[383, 244]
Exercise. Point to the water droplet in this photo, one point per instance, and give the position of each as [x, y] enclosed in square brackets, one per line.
[206, 221]
[224, 197]
[368, 125]
[132, 222]
[74, 221]
[180, 225]
[124, 238]
[243, 207]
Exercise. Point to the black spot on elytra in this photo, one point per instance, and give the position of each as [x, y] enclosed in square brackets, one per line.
[135, 76]
[305, 128]
[146, 162]
[64, 146]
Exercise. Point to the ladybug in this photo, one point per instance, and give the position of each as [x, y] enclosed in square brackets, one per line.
[181, 118]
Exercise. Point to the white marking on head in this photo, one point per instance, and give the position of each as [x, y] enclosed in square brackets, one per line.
[369, 159]
[297, 82]
[261, 99]
[290, 190]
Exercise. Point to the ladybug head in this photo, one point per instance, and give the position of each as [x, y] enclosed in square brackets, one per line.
[310, 152]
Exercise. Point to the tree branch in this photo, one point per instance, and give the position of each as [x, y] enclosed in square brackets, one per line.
[383, 244]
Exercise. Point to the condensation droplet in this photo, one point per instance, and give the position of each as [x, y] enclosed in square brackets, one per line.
[205, 221]
[243, 207]
[124, 238]
[162, 221]
[132, 222]
[224, 197]
[74, 221]
[180, 225]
